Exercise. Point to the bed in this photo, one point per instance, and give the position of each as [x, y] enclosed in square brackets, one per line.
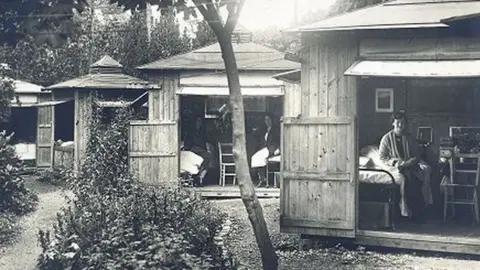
[377, 186]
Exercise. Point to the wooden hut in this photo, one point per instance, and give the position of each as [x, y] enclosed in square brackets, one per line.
[113, 88]
[26, 121]
[357, 68]
[195, 84]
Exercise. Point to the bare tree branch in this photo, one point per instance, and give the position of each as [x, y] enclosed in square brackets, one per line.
[233, 18]
[211, 16]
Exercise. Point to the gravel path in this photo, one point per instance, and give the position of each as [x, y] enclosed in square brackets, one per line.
[23, 253]
[241, 242]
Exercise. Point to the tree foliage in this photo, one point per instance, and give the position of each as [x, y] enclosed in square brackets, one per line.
[6, 91]
[122, 37]
[273, 37]
[48, 21]
[342, 6]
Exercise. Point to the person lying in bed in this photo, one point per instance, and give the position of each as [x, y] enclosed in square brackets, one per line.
[399, 151]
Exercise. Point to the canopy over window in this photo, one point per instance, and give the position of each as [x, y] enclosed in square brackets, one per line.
[420, 69]
[224, 91]
[41, 104]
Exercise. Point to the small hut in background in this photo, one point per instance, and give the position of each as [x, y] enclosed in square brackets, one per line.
[195, 84]
[70, 121]
[26, 121]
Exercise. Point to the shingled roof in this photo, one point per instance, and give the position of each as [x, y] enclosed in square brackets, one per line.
[398, 14]
[104, 74]
[250, 56]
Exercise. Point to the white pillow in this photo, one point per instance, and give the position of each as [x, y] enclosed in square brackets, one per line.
[365, 162]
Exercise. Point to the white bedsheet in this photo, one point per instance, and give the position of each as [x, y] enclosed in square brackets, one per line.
[190, 162]
[26, 151]
[374, 177]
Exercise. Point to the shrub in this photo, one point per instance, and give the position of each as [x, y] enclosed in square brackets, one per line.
[15, 198]
[148, 229]
[8, 228]
[105, 166]
[117, 223]
[55, 176]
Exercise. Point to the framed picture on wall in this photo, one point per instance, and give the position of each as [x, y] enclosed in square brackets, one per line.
[425, 134]
[384, 100]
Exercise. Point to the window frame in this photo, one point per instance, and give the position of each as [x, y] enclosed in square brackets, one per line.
[384, 90]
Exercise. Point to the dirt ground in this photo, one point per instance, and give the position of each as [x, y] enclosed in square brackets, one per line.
[241, 242]
[23, 253]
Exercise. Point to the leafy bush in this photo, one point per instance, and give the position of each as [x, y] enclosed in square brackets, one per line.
[8, 228]
[15, 198]
[55, 176]
[6, 91]
[117, 223]
[105, 166]
[148, 229]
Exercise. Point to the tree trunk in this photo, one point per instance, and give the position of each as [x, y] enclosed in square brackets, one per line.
[247, 190]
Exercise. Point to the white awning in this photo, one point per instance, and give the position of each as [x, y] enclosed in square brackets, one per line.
[224, 91]
[40, 104]
[419, 69]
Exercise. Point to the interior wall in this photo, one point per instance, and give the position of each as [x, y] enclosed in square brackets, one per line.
[443, 103]
[64, 121]
[23, 121]
[373, 125]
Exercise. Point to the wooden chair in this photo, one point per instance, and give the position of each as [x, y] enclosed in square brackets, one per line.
[454, 183]
[227, 164]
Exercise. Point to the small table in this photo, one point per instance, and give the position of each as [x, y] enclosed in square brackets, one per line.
[274, 160]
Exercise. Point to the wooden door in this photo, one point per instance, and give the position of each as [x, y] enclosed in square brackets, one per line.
[318, 179]
[44, 134]
[153, 150]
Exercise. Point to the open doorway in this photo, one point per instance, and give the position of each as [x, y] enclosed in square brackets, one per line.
[64, 121]
[23, 123]
[452, 105]
[213, 116]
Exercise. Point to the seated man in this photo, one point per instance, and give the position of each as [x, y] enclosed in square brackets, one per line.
[270, 144]
[400, 151]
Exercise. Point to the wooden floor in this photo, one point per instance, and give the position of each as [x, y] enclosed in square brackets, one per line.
[234, 192]
[451, 236]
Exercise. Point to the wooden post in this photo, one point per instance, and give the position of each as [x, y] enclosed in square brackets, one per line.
[83, 113]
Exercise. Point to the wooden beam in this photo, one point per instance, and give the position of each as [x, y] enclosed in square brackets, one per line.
[334, 120]
[151, 154]
[151, 122]
[420, 49]
[314, 176]
[419, 241]
[333, 224]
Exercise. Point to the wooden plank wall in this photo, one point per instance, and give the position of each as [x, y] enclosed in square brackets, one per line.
[83, 113]
[318, 156]
[293, 94]
[325, 90]
[163, 103]
[420, 48]
[161, 130]
[44, 133]
[153, 156]
[63, 157]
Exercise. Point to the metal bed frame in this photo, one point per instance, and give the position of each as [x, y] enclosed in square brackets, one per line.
[391, 191]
